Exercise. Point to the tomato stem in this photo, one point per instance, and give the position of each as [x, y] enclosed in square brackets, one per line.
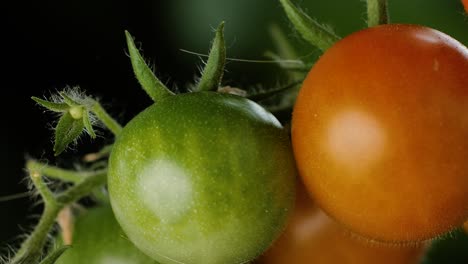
[54, 172]
[42, 188]
[31, 249]
[83, 188]
[377, 12]
[106, 119]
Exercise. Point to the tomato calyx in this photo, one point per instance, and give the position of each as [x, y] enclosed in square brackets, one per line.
[210, 79]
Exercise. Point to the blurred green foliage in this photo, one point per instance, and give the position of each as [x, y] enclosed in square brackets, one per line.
[247, 21]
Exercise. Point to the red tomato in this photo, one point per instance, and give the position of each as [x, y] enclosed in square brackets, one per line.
[380, 132]
[312, 237]
[465, 4]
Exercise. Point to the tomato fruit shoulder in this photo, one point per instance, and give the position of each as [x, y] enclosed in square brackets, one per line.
[379, 132]
[202, 178]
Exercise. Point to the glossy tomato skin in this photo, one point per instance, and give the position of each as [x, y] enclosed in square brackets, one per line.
[98, 239]
[379, 132]
[313, 237]
[202, 178]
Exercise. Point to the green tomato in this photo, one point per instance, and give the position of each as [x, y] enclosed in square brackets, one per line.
[202, 178]
[98, 239]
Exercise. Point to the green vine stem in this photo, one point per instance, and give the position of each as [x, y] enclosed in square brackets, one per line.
[54, 172]
[105, 118]
[32, 248]
[377, 12]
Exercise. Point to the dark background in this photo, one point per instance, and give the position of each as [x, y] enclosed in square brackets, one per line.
[47, 45]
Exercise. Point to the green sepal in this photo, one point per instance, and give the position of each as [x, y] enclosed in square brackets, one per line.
[54, 255]
[68, 100]
[52, 106]
[145, 76]
[68, 130]
[214, 68]
[313, 32]
[377, 12]
[87, 124]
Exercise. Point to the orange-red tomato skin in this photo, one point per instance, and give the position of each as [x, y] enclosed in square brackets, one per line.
[312, 237]
[380, 131]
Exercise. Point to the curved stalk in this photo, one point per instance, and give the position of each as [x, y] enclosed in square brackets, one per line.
[32, 248]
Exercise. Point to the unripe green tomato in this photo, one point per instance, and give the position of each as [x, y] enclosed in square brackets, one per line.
[202, 178]
[98, 239]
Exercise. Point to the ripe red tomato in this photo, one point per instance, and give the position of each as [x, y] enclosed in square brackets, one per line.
[465, 4]
[380, 132]
[312, 237]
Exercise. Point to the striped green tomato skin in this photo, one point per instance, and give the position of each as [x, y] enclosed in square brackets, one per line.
[202, 178]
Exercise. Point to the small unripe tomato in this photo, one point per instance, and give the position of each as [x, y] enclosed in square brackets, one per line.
[380, 132]
[313, 237]
[98, 239]
[202, 177]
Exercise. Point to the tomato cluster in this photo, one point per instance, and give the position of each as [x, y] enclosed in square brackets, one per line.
[378, 140]
[378, 135]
